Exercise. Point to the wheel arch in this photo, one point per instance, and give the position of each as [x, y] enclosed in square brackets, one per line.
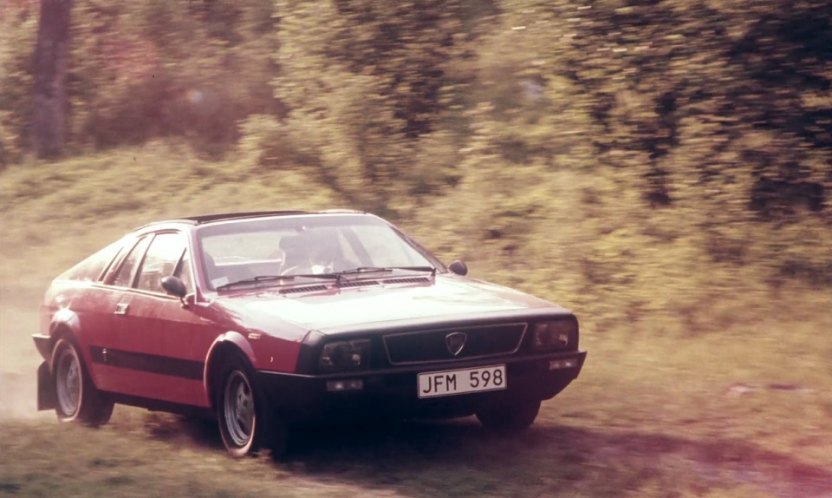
[65, 324]
[229, 344]
[64, 330]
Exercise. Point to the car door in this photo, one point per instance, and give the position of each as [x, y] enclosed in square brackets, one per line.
[98, 328]
[159, 345]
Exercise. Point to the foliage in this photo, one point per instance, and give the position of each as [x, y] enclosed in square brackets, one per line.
[362, 83]
[190, 69]
[18, 26]
[630, 159]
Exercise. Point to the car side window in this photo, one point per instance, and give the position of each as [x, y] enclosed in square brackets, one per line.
[124, 275]
[162, 257]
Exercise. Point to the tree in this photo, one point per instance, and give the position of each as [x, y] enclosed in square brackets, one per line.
[362, 84]
[51, 60]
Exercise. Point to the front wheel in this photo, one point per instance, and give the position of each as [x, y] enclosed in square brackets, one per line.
[509, 417]
[76, 395]
[241, 413]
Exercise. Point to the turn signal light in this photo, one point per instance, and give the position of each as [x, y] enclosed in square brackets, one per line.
[336, 386]
[561, 364]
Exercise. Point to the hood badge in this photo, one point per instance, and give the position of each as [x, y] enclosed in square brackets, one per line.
[455, 341]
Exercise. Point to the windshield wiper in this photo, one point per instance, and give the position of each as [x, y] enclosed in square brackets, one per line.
[371, 269]
[378, 269]
[272, 278]
[323, 276]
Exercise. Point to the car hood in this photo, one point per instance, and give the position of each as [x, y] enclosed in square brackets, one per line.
[442, 299]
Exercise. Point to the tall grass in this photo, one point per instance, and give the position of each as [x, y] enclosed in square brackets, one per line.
[705, 377]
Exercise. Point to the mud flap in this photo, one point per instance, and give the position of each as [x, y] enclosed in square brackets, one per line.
[46, 388]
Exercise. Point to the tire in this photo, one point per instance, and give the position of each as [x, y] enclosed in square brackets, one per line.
[77, 399]
[242, 412]
[509, 418]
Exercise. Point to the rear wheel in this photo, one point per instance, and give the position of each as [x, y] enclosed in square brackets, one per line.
[509, 417]
[76, 396]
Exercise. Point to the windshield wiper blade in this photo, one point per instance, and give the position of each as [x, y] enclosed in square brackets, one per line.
[371, 269]
[378, 269]
[271, 278]
[363, 269]
[431, 269]
[323, 276]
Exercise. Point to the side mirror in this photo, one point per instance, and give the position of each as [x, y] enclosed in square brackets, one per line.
[174, 286]
[459, 268]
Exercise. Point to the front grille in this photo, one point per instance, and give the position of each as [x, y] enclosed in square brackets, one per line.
[431, 345]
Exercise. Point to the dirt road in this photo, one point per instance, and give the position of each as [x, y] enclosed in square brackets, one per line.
[18, 357]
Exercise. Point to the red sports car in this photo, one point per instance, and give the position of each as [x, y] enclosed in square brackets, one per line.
[262, 320]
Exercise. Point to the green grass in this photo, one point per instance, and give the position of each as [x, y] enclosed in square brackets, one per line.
[702, 379]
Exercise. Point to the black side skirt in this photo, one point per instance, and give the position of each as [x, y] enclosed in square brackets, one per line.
[160, 406]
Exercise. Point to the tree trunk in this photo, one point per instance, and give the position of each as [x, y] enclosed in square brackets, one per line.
[51, 60]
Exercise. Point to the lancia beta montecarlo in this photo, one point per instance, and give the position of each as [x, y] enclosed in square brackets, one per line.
[266, 319]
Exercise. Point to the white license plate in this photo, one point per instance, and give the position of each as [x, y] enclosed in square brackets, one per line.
[467, 380]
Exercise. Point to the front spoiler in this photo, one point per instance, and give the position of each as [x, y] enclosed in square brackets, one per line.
[44, 345]
[393, 392]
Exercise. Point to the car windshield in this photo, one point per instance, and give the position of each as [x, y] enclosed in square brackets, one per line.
[259, 250]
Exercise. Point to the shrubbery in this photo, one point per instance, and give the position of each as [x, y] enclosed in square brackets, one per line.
[640, 157]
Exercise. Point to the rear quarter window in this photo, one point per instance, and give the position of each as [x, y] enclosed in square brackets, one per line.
[91, 268]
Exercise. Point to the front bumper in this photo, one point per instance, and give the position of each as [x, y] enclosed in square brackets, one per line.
[44, 345]
[393, 392]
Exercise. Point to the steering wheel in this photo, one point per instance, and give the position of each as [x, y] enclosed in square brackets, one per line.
[290, 270]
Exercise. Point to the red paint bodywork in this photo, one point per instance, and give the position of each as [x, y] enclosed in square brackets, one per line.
[264, 325]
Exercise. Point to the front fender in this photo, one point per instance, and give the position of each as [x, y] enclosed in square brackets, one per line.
[231, 338]
[238, 340]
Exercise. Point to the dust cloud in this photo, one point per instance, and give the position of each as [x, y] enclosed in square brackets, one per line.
[19, 359]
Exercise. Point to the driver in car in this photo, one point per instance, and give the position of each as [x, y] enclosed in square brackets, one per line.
[306, 253]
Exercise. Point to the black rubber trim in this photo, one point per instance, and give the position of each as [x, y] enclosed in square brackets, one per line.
[163, 365]
[160, 405]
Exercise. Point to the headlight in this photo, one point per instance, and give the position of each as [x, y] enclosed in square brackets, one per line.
[556, 334]
[345, 355]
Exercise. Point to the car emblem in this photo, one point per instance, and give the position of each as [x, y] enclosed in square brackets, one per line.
[455, 341]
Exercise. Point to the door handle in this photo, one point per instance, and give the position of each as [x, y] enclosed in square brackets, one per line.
[121, 308]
